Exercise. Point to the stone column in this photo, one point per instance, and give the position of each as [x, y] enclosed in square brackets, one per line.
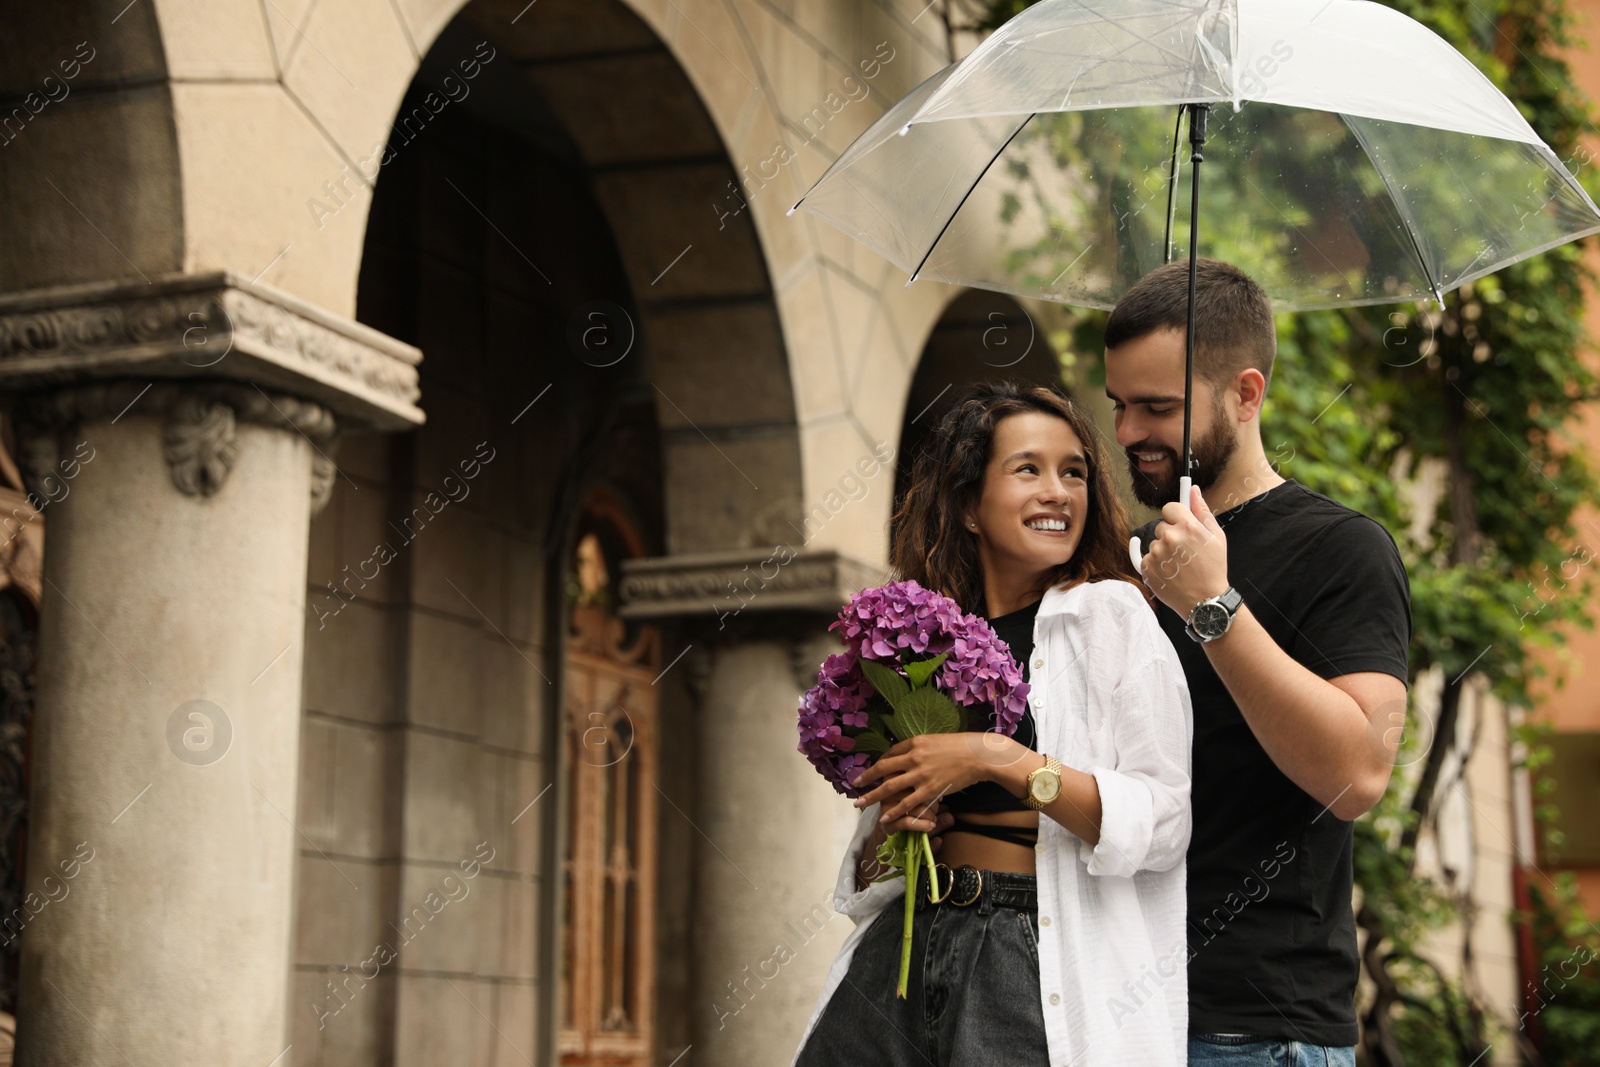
[179, 436]
[770, 831]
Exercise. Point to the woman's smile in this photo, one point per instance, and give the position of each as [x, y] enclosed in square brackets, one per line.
[1054, 527]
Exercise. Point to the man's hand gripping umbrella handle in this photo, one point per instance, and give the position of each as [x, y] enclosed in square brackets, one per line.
[1137, 556]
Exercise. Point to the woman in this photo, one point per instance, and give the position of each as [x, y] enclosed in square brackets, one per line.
[1059, 938]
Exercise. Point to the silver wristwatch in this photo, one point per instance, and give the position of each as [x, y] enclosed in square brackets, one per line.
[1211, 617]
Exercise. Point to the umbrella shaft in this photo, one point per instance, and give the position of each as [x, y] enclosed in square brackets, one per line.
[1197, 139]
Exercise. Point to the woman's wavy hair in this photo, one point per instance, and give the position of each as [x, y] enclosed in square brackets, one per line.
[931, 546]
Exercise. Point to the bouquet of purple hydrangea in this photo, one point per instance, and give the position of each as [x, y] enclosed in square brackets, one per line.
[915, 663]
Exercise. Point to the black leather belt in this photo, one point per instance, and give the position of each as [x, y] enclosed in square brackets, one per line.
[967, 887]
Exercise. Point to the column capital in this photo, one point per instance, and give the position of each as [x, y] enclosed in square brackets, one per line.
[199, 442]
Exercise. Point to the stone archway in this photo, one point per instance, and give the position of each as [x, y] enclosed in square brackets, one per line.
[981, 336]
[524, 234]
[721, 381]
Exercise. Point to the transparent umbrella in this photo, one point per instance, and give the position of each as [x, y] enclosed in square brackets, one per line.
[1351, 156]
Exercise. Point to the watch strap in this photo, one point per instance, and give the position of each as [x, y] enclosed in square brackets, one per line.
[1050, 764]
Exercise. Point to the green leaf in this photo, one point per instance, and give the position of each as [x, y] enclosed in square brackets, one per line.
[920, 671]
[879, 717]
[891, 853]
[1010, 206]
[891, 728]
[927, 711]
[871, 742]
[886, 680]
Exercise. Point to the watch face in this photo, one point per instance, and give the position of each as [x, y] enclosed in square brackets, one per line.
[1046, 784]
[1211, 620]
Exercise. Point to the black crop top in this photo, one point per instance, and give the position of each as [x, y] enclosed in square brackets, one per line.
[1016, 630]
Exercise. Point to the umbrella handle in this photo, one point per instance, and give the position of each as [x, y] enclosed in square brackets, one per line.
[1135, 556]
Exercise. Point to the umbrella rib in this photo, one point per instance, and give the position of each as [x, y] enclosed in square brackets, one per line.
[1400, 206]
[1485, 248]
[952, 179]
[1025, 42]
[866, 198]
[1177, 21]
[1566, 175]
[1172, 192]
[1519, 257]
[1138, 38]
[943, 229]
[1019, 42]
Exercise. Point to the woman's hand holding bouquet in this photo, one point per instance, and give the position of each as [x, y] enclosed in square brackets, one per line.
[915, 666]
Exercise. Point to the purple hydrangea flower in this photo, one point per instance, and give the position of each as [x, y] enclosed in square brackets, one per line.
[894, 624]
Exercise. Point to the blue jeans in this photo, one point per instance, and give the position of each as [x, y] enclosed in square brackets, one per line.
[1246, 1050]
[972, 998]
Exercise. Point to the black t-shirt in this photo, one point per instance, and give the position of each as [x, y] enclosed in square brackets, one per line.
[1016, 630]
[1272, 937]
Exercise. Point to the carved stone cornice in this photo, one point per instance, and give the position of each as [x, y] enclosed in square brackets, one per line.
[804, 637]
[200, 439]
[208, 326]
[722, 586]
[740, 596]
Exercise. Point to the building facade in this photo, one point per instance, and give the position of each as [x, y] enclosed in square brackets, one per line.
[451, 457]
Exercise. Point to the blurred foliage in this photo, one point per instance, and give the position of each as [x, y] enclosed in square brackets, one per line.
[1564, 1008]
[1471, 405]
[1485, 391]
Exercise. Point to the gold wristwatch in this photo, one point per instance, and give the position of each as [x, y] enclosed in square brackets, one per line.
[1044, 784]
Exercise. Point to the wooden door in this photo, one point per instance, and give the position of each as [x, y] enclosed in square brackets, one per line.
[610, 745]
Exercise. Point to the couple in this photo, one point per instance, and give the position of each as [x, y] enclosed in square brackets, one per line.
[1068, 934]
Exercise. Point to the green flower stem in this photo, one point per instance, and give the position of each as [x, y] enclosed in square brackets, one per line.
[907, 850]
[910, 857]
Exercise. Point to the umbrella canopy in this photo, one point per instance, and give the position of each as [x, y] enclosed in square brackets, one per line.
[1352, 157]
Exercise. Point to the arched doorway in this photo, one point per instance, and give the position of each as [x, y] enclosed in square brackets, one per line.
[981, 336]
[596, 343]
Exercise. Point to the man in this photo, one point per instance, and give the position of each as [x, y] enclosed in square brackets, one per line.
[1296, 663]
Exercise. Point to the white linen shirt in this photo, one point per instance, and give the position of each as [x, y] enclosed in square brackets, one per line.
[1108, 697]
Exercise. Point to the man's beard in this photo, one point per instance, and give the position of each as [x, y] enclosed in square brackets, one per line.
[1211, 455]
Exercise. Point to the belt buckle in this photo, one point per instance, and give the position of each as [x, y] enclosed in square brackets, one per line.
[976, 893]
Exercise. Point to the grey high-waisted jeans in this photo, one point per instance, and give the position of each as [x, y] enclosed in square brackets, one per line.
[972, 999]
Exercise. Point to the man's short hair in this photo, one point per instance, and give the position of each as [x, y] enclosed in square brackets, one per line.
[1233, 324]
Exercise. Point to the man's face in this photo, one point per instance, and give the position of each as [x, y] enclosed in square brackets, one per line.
[1144, 379]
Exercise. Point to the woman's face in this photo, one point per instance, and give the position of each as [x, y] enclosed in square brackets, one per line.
[1035, 501]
